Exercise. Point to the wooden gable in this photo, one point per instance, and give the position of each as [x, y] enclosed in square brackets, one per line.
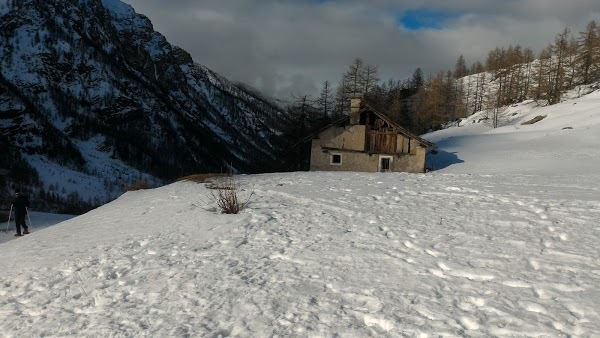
[380, 129]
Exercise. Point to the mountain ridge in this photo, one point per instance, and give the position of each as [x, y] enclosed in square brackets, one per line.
[81, 71]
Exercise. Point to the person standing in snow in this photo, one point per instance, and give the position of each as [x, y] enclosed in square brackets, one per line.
[20, 204]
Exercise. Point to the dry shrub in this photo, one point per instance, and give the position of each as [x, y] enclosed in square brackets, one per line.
[226, 194]
[201, 178]
[139, 185]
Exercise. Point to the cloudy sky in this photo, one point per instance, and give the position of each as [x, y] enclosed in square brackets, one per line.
[291, 46]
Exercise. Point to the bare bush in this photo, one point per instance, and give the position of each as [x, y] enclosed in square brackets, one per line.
[226, 194]
[139, 185]
[201, 178]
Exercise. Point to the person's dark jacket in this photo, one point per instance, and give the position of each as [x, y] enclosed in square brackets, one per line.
[20, 204]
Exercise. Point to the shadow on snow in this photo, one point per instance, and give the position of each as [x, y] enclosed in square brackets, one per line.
[441, 160]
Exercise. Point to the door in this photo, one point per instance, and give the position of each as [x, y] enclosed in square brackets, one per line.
[385, 164]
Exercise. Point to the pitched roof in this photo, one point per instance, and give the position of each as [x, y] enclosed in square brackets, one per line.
[369, 107]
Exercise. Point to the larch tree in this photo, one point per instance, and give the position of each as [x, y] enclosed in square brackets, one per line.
[354, 78]
[417, 79]
[341, 99]
[479, 70]
[493, 107]
[543, 74]
[430, 104]
[560, 52]
[370, 78]
[589, 52]
[325, 102]
[460, 72]
[302, 112]
[571, 62]
[460, 68]
[528, 58]
[514, 62]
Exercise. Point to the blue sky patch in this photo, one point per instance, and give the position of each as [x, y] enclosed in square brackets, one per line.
[415, 19]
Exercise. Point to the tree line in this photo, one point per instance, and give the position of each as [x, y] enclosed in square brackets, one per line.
[424, 103]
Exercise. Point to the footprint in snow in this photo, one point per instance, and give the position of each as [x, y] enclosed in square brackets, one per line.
[443, 266]
[515, 284]
[469, 323]
[432, 253]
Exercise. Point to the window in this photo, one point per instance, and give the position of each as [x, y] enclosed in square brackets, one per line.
[336, 159]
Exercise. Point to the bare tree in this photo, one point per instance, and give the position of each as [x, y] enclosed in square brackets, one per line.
[370, 78]
[417, 79]
[430, 104]
[542, 74]
[528, 60]
[571, 62]
[560, 50]
[325, 100]
[589, 53]
[460, 68]
[479, 70]
[494, 111]
[342, 97]
[353, 78]
[360, 78]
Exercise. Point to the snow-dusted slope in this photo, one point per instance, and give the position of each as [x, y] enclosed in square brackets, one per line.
[501, 242]
[566, 141]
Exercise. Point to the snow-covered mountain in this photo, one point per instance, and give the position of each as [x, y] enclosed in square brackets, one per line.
[92, 98]
[501, 241]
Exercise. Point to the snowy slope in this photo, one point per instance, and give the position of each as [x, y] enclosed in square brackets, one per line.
[499, 245]
[565, 141]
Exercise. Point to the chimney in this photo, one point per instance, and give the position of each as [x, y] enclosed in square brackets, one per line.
[355, 110]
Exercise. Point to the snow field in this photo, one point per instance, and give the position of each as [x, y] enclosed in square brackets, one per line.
[319, 254]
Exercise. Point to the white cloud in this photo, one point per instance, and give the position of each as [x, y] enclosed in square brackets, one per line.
[281, 46]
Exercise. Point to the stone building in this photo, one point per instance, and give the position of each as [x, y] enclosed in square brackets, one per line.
[368, 141]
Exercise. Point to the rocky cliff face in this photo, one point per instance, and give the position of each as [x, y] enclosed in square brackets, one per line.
[91, 97]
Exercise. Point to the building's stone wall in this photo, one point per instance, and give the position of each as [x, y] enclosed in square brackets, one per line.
[414, 163]
[347, 138]
[349, 143]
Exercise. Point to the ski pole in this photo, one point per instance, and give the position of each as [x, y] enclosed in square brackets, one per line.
[9, 214]
[29, 218]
